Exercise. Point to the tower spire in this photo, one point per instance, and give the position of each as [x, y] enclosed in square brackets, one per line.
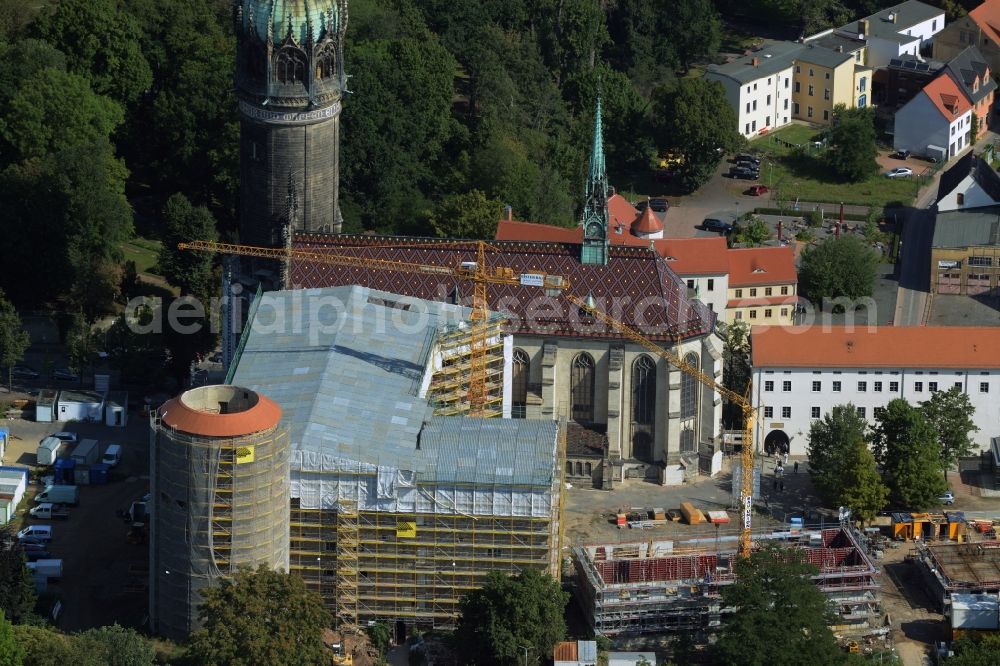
[595, 209]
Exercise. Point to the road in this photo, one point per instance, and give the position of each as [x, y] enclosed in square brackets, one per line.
[914, 263]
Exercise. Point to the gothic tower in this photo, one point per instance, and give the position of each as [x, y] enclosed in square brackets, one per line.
[289, 82]
[595, 208]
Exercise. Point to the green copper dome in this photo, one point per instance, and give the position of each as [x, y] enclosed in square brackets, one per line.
[303, 17]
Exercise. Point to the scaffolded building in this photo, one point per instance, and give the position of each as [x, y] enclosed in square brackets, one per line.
[398, 511]
[657, 586]
[959, 568]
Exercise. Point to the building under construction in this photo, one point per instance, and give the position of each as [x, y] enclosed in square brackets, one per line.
[959, 568]
[658, 586]
[398, 509]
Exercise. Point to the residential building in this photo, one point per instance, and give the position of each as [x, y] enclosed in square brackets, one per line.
[763, 286]
[937, 122]
[903, 79]
[980, 28]
[759, 87]
[895, 31]
[965, 252]
[973, 75]
[969, 183]
[801, 372]
[826, 77]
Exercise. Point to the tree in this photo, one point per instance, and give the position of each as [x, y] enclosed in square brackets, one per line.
[379, 635]
[100, 41]
[14, 340]
[975, 650]
[844, 267]
[81, 344]
[780, 614]
[736, 364]
[190, 271]
[260, 617]
[695, 30]
[695, 119]
[862, 490]
[950, 415]
[470, 215]
[753, 232]
[508, 612]
[137, 355]
[831, 439]
[906, 447]
[851, 148]
[17, 590]
[117, 646]
[46, 647]
[11, 651]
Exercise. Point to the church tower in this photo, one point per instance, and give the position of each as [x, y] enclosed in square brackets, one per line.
[595, 210]
[289, 82]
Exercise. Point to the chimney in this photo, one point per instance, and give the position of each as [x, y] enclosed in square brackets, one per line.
[840, 48]
[863, 28]
[509, 213]
[755, 62]
[892, 17]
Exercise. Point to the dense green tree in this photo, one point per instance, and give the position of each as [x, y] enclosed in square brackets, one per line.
[736, 365]
[470, 215]
[190, 271]
[509, 612]
[844, 267]
[101, 43]
[695, 30]
[571, 34]
[22, 60]
[861, 487]
[260, 617]
[116, 646]
[975, 650]
[851, 149]
[695, 119]
[780, 614]
[831, 439]
[44, 646]
[54, 110]
[950, 415]
[134, 346]
[14, 340]
[752, 233]
[11, 652]
[378, 634]
[906, 447]
[17, 590]
[81, 344]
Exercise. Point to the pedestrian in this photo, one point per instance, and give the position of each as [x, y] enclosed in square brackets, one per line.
[786, 457]
[796, 467]
[779, 470]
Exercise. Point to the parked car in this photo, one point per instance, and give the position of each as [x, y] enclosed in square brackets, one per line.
[36, 532]
[901, 154]
[757, 190]
[35, 555]
[745, 157]
[947, 498]
[715, 224]
[899, 172]
[24, 372]
[743, 172]
[65, 374]
[66, 436]
[659, 205]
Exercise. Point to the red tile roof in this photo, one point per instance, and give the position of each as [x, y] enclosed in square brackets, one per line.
[632, 276]
[695, 256]
[987, 17]
[947, 97]
[647, 223]
[762, 265]
[883, 346]
[620, 211]
[512, 230]
[264, 415]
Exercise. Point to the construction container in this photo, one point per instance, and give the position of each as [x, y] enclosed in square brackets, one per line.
[659, 514]
[692, 515]
[974, 611]
[99, 474]
[718, 517]
[620, 521]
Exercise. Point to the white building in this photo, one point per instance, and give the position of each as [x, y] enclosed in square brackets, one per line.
[800, 373]
[937, 122]
[759, 87]
[970, 183]
[894, 31]
[80, 406]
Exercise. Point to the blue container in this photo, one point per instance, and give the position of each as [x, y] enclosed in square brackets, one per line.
[99, 474]
[64, 470]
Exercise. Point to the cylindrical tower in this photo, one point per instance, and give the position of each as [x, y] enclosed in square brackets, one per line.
[218, 494]
[289, 81]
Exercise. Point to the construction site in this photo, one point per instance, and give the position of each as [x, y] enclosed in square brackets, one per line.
[649, 587]
[959, 568]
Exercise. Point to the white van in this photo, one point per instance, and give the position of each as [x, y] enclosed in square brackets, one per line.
[36, 532]
[112, 455]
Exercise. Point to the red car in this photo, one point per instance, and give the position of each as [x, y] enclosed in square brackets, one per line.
[757, 190]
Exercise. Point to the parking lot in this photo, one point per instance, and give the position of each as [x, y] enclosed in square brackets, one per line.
[104, 577]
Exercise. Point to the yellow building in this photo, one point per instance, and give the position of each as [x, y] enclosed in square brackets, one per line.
[763, 286]
[826, 75]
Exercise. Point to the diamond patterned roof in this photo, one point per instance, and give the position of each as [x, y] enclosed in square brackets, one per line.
[637, 286]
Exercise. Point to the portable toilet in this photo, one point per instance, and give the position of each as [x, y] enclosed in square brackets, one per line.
[64, 471]
[4, 438]
[99, 474]
[45, 405]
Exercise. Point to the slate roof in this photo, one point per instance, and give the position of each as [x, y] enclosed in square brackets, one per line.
[908, 14]
[968, 66]
[967, 227]
[771, 59]
[834, 40]
[637, 286]
[822, 56]
[970, 165]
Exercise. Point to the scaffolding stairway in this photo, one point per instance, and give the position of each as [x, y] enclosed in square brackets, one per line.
[347, 564]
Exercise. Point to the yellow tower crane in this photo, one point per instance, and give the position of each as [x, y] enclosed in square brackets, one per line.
[478, 273]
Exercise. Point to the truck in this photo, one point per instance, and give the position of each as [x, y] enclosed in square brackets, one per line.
[49, 511]
[51, 569]
[59, 495]
[49, 450]
[86, 452]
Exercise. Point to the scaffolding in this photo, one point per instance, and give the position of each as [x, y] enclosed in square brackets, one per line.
[449, 387]
[656, 586]
[960, 568]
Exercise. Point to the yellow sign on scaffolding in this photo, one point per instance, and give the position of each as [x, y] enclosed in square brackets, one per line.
[406, 529]
[244, 454]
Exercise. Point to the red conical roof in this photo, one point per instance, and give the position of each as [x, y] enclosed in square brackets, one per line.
[647, 222]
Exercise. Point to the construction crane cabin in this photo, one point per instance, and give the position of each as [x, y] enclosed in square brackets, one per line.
[481, 276]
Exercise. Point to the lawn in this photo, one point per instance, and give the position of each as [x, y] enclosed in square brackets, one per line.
[143, 252]
[792, 173]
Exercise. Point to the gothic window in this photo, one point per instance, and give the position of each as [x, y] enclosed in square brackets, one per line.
[588, 469]
[689, 390]
[521, 367]
[290, 66]
[326, 62]
[582, 388]
[687, 440]
[643, 390]
[579, 468]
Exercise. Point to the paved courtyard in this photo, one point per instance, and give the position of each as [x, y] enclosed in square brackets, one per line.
[958, 310]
